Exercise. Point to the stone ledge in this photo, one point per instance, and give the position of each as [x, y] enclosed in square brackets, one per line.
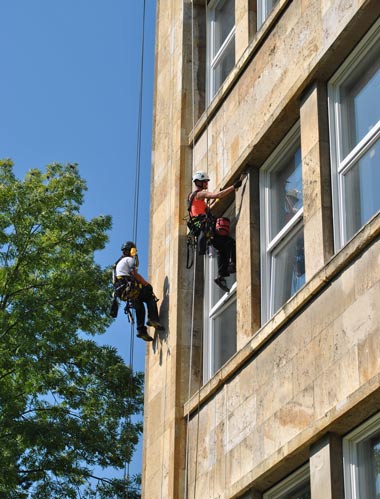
[341, 419]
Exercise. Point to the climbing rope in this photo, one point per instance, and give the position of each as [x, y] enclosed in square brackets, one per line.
[136, 205]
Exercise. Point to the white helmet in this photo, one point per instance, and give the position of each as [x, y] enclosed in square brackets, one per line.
[201, 176]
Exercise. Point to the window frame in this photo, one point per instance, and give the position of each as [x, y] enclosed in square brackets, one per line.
[341, 165]
[212, 312]
[271, 247]
[286, 485]
[264, 8]
[350, 454]
[214, 58]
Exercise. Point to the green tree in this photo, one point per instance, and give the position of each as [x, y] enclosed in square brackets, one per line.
[66, 403]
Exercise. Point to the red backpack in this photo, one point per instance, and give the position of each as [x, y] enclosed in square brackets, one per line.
[222, 226]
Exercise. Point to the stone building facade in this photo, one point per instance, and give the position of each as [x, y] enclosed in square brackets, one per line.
[270, 391]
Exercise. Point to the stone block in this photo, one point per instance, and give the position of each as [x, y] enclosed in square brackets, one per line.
[325, 390]
[369, 356]
[233, 465]
[367, 269]
[241, 422]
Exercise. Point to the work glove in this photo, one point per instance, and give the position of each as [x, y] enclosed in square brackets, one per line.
[238, 182]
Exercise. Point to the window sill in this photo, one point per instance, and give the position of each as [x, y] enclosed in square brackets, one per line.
[337, 264]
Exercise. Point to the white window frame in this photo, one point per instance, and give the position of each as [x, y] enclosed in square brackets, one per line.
[286, 485]
[264, 8]
[214, 58]
[269, 247]
[211, 313]
[209, 368]
[340, 165]
[350, 455]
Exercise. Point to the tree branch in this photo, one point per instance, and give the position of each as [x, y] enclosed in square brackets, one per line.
[7, 374]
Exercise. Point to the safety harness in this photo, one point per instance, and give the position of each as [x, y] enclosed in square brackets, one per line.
[126, 289]
[200, 223]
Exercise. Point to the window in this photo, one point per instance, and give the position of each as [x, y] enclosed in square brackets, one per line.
[221, 43]
[264, 8]
[296, 486]
[361, 458]
[219, 313]
[282, 239]
[354, 109]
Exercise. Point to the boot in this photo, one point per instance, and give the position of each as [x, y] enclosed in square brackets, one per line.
[155, 324]
[221, 282]
[143, 334]
[231, 268]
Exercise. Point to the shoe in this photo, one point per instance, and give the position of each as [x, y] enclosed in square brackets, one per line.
[143, 334]
[231, 268]
[156, 325]
[221, 282]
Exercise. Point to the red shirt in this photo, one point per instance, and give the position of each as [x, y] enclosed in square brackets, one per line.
[198, 207]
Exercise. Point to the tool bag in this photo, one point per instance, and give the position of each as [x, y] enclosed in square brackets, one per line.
[126, 288]
[114, 307]
[222, 226]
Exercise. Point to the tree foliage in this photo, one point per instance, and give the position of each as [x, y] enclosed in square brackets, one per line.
[65, 402]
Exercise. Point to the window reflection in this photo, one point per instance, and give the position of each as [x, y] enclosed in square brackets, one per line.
[221, 43]
[288, 270]
[361, 102]
[369, 467]
[224, 22]
[302, 492]
[224, 335]
[361, 187]
[286, 192]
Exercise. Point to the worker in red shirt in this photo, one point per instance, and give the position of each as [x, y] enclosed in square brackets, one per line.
[200, 213]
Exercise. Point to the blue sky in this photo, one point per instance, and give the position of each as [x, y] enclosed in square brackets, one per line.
[69, 92]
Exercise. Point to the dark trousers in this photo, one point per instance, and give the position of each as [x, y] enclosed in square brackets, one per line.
[226, 248]
[145, 297]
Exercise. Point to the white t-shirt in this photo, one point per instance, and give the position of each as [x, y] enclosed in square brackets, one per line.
[125, 266]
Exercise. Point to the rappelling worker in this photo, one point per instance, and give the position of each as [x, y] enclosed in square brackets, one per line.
[130, 286]
[208, 231]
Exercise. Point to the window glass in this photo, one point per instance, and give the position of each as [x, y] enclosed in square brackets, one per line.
[288, 269]
[220, 43]
[224, 335]
[282, 235]
[224, 65]
[302, 492]
[361, 190]
[264, 8]
[361, 457]
[224, 22]
[369, 467]
[361, 101]
[286, 192]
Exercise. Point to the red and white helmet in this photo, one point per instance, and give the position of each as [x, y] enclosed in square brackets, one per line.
[201, 176]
